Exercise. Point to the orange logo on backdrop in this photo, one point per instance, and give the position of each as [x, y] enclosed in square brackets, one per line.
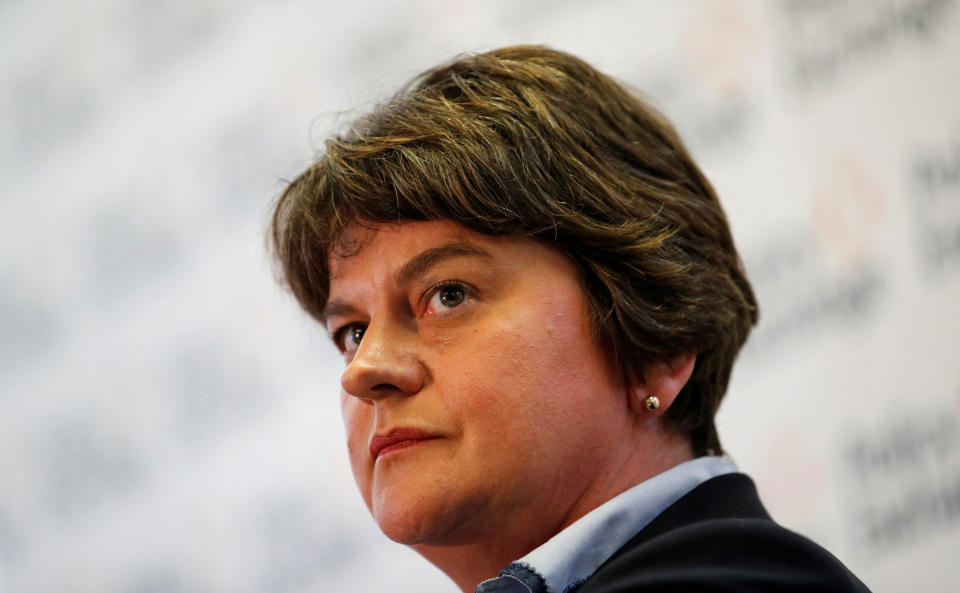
[791, 455]
[719, 42]
[847, 210]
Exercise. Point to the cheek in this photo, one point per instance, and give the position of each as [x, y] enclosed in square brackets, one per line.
[524, 364]
[356, 421]
[553, 361]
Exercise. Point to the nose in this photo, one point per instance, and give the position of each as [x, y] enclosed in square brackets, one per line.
[385, 364]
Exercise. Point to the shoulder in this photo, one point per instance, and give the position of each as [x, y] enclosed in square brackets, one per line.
[701, 544]
[724, 555]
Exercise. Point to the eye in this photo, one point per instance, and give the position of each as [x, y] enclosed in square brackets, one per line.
[349, 336]
[446, 295]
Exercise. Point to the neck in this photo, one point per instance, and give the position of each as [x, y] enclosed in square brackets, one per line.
[472, 558]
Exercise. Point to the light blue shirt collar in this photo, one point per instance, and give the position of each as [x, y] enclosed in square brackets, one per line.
[573, 555]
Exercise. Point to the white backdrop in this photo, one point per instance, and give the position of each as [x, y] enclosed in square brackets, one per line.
[169, 419]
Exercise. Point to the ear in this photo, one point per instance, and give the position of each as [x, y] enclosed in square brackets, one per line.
[663, 380]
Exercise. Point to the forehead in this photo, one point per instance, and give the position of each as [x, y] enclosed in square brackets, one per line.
[359, 239]
[362, 248]
[369, 252]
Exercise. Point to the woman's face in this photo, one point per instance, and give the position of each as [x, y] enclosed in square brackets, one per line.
[475, 396]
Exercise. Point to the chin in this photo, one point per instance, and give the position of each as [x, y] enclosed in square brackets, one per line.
[408, 524]
[423, 519]
[406, 530]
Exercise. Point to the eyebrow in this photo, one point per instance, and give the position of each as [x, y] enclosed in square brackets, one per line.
[414, 268]
[337, 308]
[425, 260]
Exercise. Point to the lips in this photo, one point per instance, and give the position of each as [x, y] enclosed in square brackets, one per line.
[397, 439]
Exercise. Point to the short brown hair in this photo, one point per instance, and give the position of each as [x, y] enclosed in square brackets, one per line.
[530, 141]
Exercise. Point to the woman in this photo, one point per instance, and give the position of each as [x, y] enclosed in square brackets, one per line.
[539, 303]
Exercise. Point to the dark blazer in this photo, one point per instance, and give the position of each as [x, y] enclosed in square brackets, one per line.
[718, 537]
